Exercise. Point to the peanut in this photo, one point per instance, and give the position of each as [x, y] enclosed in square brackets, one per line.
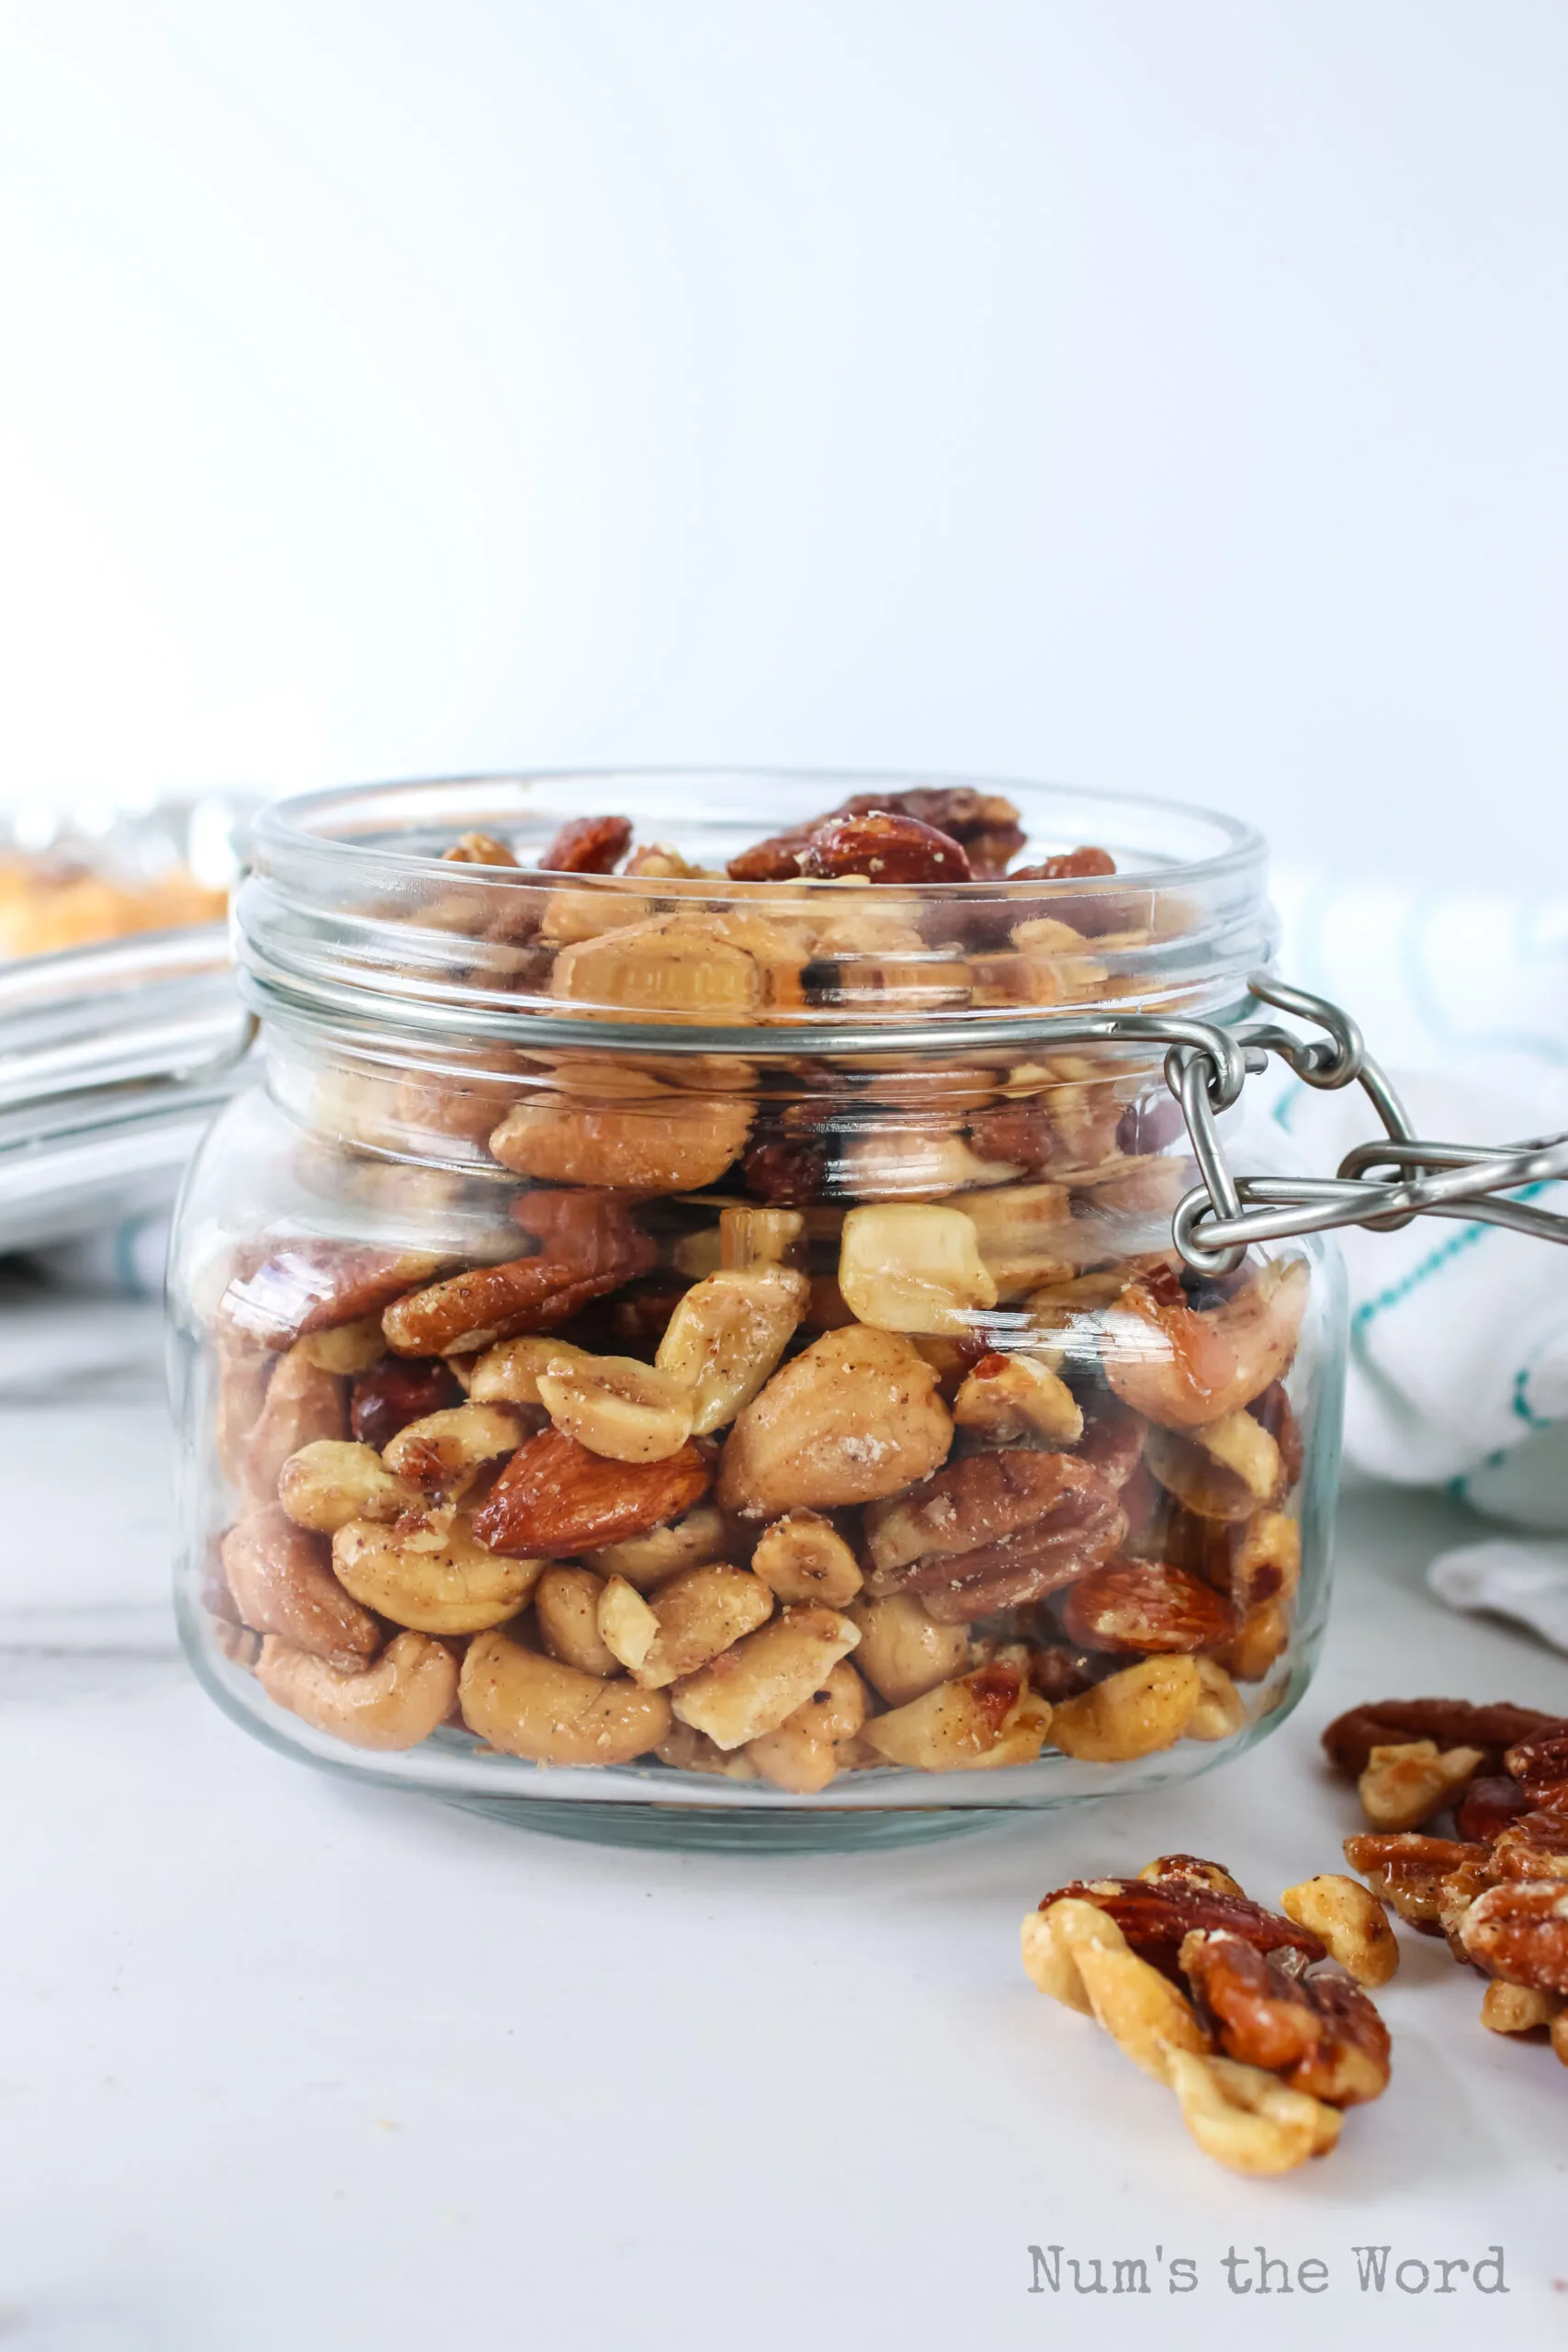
[443, 1452]
[1006, 1397]
[694, 1616]
[725, 1337]
[646, 1560]
[566, 1609]
[805, 1752]
[616, 1406]
[751, 1687]
[903, 1652]
[803, 1557]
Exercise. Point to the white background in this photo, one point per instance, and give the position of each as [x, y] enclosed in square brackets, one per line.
[1161, 396]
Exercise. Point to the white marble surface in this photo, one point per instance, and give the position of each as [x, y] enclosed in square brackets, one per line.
[292, 2063]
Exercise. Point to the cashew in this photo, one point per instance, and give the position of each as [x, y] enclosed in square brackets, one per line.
[524, 1704]
[853, 1418]
[330, 1481]
[1188, 1368]
[1517, 2009]
[646, 1560]
[675, 1144]
[694, 1616]
[1350, 1921]
[903, 1653]
[400, 1701]
[1404, 1785]
[1260, 1640]
[566, 1609]
[1052, 1940]
[627, 1626]
[616, 1406]
[803, 1754]
[913, 1267]
[1221, 1710]
[727, 1335]
[509, 1373]
[1143, 1709]
[281, 1583]
[803, 1557]
[302, 1403]
[441, 1453]
[350, 1348]
[1006, 1397]
[1245, 2118]
[1027, 1237]
[1221, 1472]
[956, 1727]
[438, 1581]
[752, 1687]
[1142, 2011]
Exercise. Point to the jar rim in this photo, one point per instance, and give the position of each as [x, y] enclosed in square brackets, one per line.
[351, 916]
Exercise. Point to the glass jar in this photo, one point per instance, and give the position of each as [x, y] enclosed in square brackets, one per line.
[669, 1356]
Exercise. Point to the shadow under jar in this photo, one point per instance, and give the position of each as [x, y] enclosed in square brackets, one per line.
[675, 1357]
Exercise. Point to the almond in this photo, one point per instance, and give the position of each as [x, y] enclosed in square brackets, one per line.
[555, 1498]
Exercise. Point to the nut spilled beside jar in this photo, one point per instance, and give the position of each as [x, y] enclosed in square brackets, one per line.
[695, 1352]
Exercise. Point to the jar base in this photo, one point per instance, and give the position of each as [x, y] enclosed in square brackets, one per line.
[683, 1828]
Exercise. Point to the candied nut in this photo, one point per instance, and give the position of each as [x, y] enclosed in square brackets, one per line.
[616, 1406]
[853, 1418]
[627, 1626]
[1143, 1606]
[1224, 1471]
[903, 1652]
[1351, 1923]
[1518, 1930]
[406, 1695]
[993, 1531]
[908, 1266]
[1487, 1806]
[805, 1751]
[566, 1609]
[347, 1347]
[281, 1583]
[750, 1238]
[646, 1560]
[803, 1557]
[1145, 2014]
[884, 847]
[555, 1498]
[302, 1404]
[1540, 1767]
[1221, 1710]
[436, 1579]
[1052, 1938]
[308, 1287]
[1006, 1397]
[1533, 1846]
[474, 1309]
[754, 1686]
[479, 849]
[1157, 1915]
[673, 1144]
[955, 1726]
[693, 1617]
[727, 1335]
[1403, 1786]
[442, 1453]
[1517, 2009]
[1067, 866]
[1451, 1723]
[396, 1391]
[330, 1482]
[1261, 1638]
[1191, 1870]
[1407, 1870]
[1184, 1367]
[1143, 1709]
[1309, 2022]
[524, 1704]
[1244, 2118]
[588, 846]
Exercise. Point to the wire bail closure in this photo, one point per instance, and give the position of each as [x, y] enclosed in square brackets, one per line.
[1381, 1184]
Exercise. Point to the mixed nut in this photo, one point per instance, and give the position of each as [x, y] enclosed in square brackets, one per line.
[1497, 1888]
[1258, 2020]
[814, 1418]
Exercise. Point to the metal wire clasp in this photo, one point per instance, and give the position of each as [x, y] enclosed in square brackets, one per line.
[1382, 1183]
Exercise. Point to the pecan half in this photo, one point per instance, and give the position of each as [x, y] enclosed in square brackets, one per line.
[304, 1287]
[1535, 1846]
[1067, 866]
[1539, 1764]
[555, 1498]
[1487, 1806]
[1518, 1930]
[992, 1532]
[392, 1394]
[1451, 1723]
[984, 823]
[588, 846]
[1113, 1439]
[1157, 1917]
[590, 1244]
[1406, 1869]
[885, 848]
[1143, 1606]
[1308, 2022]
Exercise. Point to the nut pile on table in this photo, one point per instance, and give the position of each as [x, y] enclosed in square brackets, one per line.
[871, 1422]
[1496, 1888]
[1256, 2019]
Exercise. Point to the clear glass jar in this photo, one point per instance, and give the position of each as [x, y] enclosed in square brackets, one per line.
[682, 1359]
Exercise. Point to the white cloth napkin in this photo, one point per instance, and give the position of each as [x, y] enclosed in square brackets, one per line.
[1458, 1370]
